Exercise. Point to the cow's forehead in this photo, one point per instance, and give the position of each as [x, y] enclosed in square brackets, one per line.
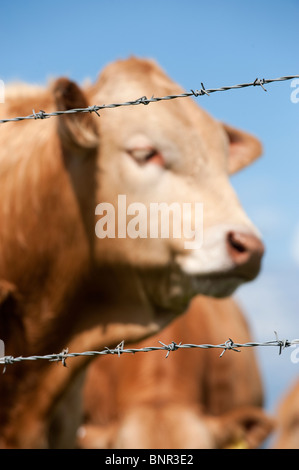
[143, 70]
[131, 79]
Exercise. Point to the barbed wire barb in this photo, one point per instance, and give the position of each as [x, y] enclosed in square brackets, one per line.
[260, 82]
[61, 357]
[145, 101]
[120, 347]
[282, 343]
[170, 347]
[229, 345]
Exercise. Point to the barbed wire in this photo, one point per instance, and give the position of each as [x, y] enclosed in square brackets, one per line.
[173, 346]
[145, 101]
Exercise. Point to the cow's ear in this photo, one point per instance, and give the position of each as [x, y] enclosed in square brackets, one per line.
[244, 148]
[76, 130]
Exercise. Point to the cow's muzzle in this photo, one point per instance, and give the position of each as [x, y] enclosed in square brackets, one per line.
[246, 252]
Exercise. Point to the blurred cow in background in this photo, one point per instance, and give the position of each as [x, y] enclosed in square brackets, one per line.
[288, 420]
[194, 399]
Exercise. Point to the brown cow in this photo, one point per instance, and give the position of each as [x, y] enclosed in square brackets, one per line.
[194, 399]
[288, 420]
[64, 286]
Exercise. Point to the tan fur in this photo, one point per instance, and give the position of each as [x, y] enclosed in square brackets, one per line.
[72, 289]
[288, 420]
[192, 399]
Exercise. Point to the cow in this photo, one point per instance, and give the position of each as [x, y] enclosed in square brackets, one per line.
[287, 436]
[64, 285]
[192, 399]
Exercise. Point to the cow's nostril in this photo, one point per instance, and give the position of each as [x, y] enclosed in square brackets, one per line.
[246, 252]
[235, 243]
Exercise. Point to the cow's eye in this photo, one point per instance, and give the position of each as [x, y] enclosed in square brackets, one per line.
[147, 155]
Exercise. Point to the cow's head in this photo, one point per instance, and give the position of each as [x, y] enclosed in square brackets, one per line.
[172, 152]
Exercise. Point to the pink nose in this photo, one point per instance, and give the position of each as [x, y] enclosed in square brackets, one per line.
[246, 251]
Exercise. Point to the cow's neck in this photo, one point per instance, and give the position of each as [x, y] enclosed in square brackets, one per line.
[66, 301]
[119, 295]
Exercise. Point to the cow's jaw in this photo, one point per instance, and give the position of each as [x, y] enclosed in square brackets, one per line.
[170, 289]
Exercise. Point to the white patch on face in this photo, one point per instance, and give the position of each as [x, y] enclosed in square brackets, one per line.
[213, 256]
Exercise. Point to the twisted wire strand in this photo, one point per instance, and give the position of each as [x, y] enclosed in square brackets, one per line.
[145, 101]
[229, 344]
[173, 346]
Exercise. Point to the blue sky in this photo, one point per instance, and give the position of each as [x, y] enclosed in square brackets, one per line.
[217, 43]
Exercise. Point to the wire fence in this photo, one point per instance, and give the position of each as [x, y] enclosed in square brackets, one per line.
[145, 101]
[173, 346]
